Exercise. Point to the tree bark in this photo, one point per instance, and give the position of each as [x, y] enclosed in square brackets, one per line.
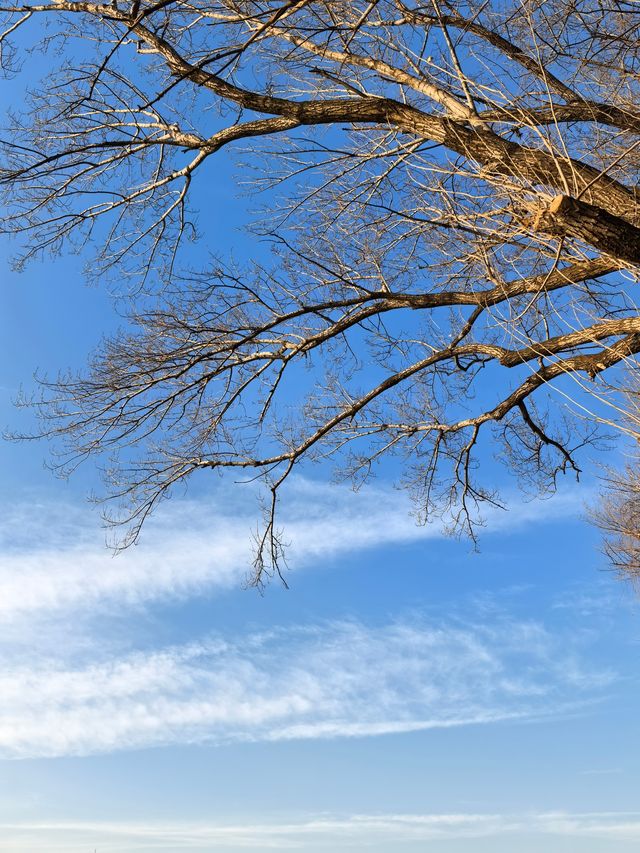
[612, 235]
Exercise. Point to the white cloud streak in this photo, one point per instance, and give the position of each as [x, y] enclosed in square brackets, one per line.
[60, 697]
[52, 559]
[382, 831]
[334, 680]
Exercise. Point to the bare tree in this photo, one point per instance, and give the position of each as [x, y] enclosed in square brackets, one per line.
[619, 519]
[618, 512]
[455, 238]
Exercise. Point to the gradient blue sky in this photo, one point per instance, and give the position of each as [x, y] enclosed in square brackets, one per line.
[405, 694]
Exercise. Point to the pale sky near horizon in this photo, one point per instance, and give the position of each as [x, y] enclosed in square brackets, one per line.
[405, 694]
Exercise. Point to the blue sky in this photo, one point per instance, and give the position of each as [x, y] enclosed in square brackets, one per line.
[404, 694]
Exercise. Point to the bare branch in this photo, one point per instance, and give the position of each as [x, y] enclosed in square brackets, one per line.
[452, 203]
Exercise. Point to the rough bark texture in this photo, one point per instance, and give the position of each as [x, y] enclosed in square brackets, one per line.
[609, 234]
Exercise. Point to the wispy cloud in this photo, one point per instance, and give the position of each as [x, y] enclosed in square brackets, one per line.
[328, 832]
[53, 558]
[333, 680]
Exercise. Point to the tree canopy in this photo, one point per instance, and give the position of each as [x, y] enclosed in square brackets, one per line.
[451, 196]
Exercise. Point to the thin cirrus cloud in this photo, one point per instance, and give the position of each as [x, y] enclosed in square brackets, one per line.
[329, 832]
[332, 680]
[316, 681]
[52, 558]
